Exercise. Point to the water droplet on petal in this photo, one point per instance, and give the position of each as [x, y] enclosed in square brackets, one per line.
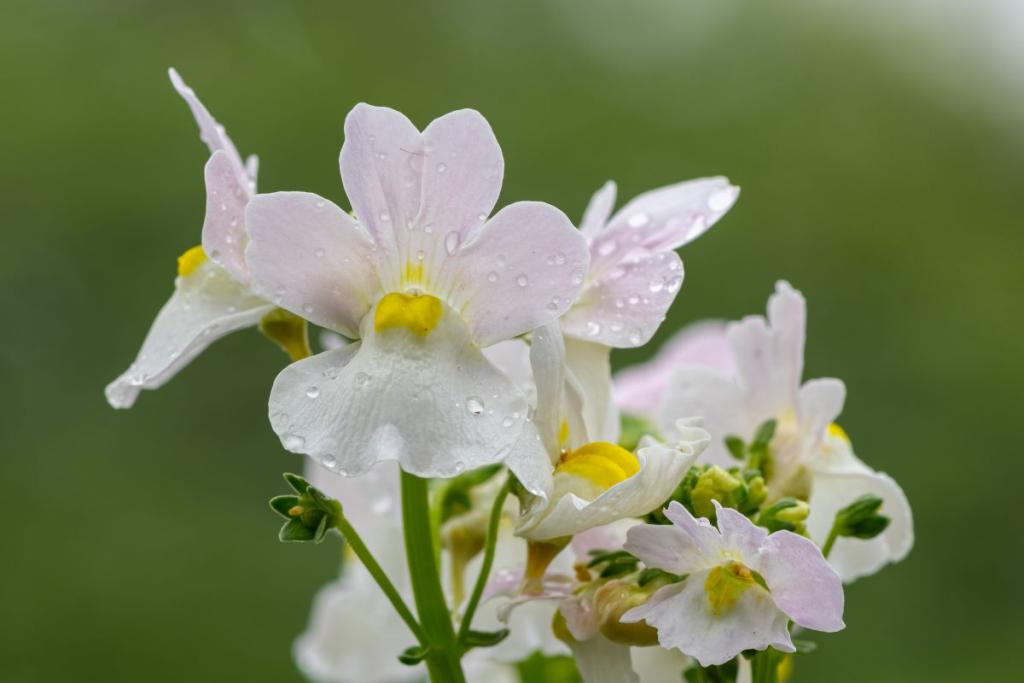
[593, 328]
[293, 442]
[458, 467]
[656, 285]
[492, 276]
[522, 280]
[639, 220]
[361, 379]
[442, 167]
[451, 242]
[635, 337]
[606, 248]
[329, 461]
[313, 391]
[319, 253]
[474, 405]
[420, 255]
[559, 258]
[384, 216]
[307, 308]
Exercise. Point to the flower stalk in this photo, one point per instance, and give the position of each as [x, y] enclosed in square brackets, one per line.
[485, 569]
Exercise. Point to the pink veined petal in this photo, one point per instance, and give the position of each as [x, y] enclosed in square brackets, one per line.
[802, 583]
[625, 306]
[595, 217]
[694, 390]
[311, 258]
[638, 389]
[663, 220]
[738, 532]
[524, 268]
[224, 236]
[688, 545]
[212, 133]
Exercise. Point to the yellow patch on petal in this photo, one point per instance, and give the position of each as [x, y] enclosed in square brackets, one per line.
[190, 260]
[418, 313]
[838, 432]
[601, 463]
[563, 433]
[412, 274]
[725, 584]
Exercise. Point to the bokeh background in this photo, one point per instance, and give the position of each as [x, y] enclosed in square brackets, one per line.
[880, 147]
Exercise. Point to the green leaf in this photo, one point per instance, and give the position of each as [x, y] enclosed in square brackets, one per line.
[765, 433]
[411, 656]
[736, 447]
[485, 638]
[298, 484]
[294, 532]
[282, 504]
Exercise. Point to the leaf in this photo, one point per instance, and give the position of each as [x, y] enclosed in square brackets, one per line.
[298, 484]
[736, 447]
[411, 656]
[485, 638]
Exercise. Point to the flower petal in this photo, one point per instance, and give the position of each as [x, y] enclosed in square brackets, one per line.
[623, 306]
[600, 660]
[802, 583]
[353, 634]
[213, 134]
[770, 353]
[818, 404]
[505, 283]
[837, 482]
[224, 235]
[590, 365]
[433, 403]
[661, 470]
[683, 616]
[639, 388]
[547, 359]
[663, 220]
[689, 545]
[205, 306]
[699, 391]
[595, 218]
[311, 258]
[739, 534]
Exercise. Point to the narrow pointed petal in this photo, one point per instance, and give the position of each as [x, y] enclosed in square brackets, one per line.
[523, 269]
[205, 306]
[547, 359]
[311, 258]
[212, 133]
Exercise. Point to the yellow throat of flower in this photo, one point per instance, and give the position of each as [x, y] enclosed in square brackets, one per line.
[190, 260]
[418, 313]
[725, 584]
[601, 463]
[838, 432]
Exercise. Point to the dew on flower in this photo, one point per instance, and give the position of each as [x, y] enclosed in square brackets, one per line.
[607, 248]
[293, 442]
[492, 276]
[639, 220]
[318, 252]
[442, 167]
[522, 280]
[329, 461]
[451, 242]
[474, 405]
[593, 328]
[360, 379]
[313, 391]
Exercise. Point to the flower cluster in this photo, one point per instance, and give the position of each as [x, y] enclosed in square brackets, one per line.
[690, 514]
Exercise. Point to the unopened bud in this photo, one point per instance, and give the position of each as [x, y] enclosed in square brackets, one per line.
[614, 599]
[716, 484]
[786, 514]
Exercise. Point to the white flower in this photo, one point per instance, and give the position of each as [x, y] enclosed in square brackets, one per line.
[742, 585]
[810, 455]
[634, 272]
[425, 280]
[211, 295]
[633, 278]
[593, 482]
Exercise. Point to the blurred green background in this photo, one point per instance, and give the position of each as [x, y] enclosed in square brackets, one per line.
[882, 173]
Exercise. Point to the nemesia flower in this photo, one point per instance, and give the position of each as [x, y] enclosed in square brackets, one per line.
[594, 482]
[810, 454]
[742, 585]
[638, 389]
[212, 296]
[424, 280]
[633, 278]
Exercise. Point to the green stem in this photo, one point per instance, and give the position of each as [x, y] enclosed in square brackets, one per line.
[830, 541]
[765, 667]
[485, 568]
[370, 562]
[442, 658]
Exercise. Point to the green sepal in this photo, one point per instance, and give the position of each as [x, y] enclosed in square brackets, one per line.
[860, 519]
[298, 484]
[282, 504]
[770, 516]
[736, 447]
[652, 574]
[412, 656]
[804, 647]
[485, 638]
[294, 531]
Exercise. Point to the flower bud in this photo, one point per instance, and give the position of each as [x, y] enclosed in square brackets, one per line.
[786, 514]
[716, 484]
[614, 599]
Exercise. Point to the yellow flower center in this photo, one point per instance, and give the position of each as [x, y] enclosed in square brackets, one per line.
[725, 584]
[838, 432]
[418, 313]
[601, 463]
[190, 260]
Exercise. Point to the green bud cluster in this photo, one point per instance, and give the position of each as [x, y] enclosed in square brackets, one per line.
[310, 513]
